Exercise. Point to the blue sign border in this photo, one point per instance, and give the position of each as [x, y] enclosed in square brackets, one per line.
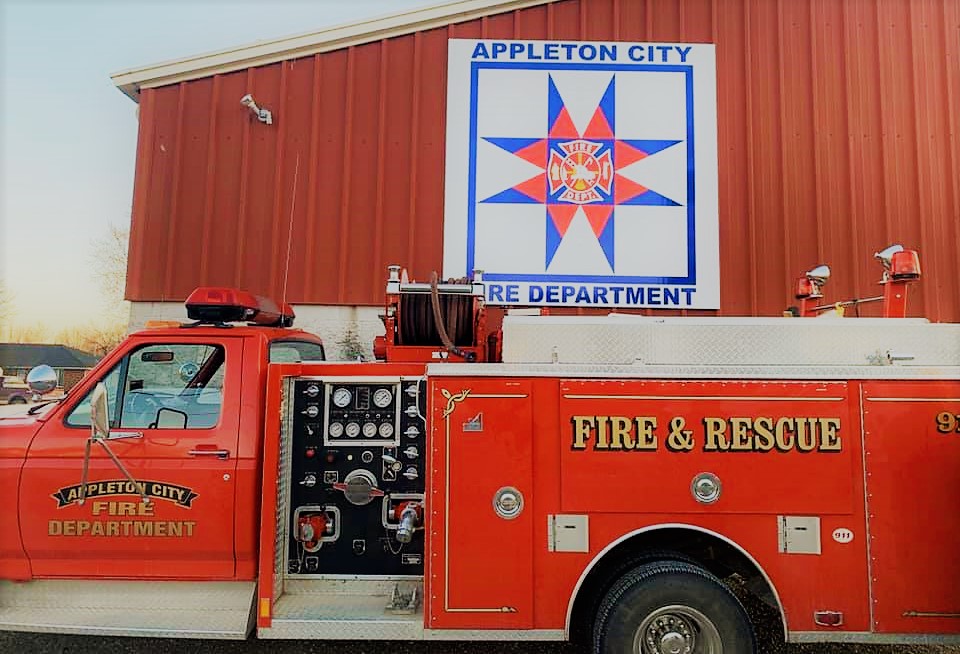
[690, 279]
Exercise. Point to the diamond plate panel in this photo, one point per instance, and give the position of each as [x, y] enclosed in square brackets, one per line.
[692, 372]
[626, 340]
[172, 609]
[283, 490]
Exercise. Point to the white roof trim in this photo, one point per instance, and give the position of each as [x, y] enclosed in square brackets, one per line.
[300, 45]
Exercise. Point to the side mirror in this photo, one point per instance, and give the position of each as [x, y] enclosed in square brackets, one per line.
[42, 379]
[99, 413]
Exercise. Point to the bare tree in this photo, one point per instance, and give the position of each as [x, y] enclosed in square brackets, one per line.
[95, 339]
[109, 260]
[6, 309]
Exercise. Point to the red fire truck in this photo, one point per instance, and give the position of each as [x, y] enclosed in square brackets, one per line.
[623, 480]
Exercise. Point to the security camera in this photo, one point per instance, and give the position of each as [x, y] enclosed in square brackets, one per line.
[263, 115]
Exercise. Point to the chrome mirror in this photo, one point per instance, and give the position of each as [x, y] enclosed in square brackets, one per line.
[886, 256]
[42, 379]
[99, 412]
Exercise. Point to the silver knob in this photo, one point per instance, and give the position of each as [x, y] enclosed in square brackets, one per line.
[389, 460]
[312, 390]
[411, 473]
[312, 411]
[411, 452]
[411, 411]
[411, 390]
[706, 488]
[508, 502]
[309, 480]
[411, 431]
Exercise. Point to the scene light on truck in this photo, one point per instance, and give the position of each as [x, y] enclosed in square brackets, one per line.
[211, 304]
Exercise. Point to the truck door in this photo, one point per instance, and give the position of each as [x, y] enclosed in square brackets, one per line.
[481, 505]
[174, 414]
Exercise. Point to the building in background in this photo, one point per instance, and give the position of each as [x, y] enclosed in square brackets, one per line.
[71, 364]
[836, 132]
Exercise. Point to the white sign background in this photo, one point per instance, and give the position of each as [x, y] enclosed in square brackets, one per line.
[583, 173]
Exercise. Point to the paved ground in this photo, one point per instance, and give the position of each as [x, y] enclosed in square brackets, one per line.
[54, 644]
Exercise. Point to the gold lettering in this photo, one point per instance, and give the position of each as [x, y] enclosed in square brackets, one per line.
[763, 434]
[581, 431]
[113, 528]
[97, 529]
[740, 437]
[806, 434]
[646, 439]
[145, 509]
[83, 527]
[620, 437]
[126, 508]
[69, 528]
[189, 524]
[54, 528]
[159, 528]
[784, 439]
[143, 529]
[829, 439]
[174, 529]
[715, 434]
[603, 440]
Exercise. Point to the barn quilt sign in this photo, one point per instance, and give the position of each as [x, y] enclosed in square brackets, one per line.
[583, 173]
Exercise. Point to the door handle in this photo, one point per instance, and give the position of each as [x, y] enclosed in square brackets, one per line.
[203, 451]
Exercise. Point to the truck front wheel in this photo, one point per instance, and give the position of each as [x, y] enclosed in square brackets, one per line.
[671, 607]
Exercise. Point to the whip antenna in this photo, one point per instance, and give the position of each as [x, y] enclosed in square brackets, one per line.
[293, 204]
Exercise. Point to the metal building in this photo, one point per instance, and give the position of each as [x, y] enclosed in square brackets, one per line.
[837, 135]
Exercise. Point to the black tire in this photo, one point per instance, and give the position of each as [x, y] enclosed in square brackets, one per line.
[713, 619]
[16, 399]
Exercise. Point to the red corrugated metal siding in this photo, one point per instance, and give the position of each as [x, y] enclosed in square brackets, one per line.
[837, 135]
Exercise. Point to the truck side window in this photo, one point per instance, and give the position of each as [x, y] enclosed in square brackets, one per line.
[163, 386]
[80, 416]
[295, 352]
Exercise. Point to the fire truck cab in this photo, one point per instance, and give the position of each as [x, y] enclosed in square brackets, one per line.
[630, 482]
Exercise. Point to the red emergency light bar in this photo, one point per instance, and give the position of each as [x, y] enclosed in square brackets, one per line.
[212, 304]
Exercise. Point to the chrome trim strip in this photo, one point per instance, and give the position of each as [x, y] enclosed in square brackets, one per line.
[913, 399]
[768, 398]
[871, 638]
[669, 525]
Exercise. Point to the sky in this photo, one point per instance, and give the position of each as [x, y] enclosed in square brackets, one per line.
[68, 136]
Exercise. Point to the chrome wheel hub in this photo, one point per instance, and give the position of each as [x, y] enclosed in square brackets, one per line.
[677, 630]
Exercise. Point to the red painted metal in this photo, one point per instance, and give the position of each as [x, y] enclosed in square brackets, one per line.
[837, 136]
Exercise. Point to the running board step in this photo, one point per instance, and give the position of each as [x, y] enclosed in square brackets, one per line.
[169, 609]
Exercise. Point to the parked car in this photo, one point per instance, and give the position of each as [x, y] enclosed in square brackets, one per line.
[14, 390]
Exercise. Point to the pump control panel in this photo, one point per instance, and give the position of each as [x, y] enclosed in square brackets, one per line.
[357, 476]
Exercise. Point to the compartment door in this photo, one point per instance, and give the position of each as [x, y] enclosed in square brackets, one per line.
[481, 562]
[912, 453]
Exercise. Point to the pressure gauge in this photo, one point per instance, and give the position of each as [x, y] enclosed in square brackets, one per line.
[336, 429]
[386, 430]
[369, 430]
[382, 397]
[341, 397]
[353, 429]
